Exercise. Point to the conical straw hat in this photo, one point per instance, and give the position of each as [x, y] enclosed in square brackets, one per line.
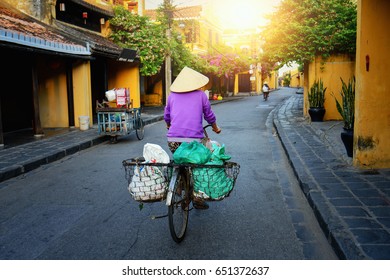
[189, 80]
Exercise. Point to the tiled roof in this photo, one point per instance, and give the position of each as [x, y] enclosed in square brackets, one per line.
[190, 12]
[187, 12]
[21, 29]
[98, 44]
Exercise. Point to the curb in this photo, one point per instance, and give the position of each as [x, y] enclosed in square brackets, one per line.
[338, 235]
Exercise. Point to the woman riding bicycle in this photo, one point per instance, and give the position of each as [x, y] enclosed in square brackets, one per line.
[266, 90]
[186, 108]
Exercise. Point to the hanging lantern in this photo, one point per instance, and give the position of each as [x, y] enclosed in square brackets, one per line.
[102, 21]
[62, 7]
[85, 16]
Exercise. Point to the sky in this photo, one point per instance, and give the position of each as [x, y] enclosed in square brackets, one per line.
[232, 13]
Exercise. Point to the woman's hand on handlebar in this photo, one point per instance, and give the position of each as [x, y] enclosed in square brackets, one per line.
[216, 129]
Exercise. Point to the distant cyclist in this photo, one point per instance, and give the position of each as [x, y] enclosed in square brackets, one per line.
[265, 91]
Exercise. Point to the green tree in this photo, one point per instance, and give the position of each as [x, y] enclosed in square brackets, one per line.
[151, 41]
[139, 33]
[300, 30]
[181, 55]
[226, 64]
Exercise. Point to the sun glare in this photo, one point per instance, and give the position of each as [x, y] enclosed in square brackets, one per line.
[242, 14]
[242, 17]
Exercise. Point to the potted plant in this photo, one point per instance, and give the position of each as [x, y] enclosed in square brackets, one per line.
[347, 111]
[316, 101]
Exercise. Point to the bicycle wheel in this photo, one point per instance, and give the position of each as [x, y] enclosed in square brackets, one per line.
[179, 208]
[139, 128]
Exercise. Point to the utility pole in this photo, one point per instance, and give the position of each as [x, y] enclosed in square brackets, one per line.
[168, 68]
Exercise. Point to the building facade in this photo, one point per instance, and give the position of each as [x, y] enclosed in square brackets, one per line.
[62, 61]
[371, 149]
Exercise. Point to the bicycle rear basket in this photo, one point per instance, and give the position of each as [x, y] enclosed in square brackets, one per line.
[214, 182]
[148, 182]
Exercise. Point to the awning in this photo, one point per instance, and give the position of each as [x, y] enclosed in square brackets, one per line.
[127, 55]
[18, 29]
[41, 43]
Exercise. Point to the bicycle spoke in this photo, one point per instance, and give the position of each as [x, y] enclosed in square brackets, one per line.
[178, 210]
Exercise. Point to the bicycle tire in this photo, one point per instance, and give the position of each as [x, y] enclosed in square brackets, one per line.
[140, 128]
[178, 210]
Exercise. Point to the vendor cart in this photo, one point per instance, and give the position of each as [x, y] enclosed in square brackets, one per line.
[120, 121]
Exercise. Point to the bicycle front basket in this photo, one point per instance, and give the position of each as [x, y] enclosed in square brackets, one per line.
[148, 182]
[214, 182]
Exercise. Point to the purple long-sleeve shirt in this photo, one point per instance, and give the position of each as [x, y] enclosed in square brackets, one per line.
[185, 112]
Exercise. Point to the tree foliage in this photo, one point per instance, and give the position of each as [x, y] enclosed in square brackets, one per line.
[300, 30]
[139, 33]
[225, 61]
[182, 56]
[226, 64]
[151, 41]
[153, 45]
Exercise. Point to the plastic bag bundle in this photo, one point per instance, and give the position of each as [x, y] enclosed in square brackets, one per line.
[149, 183]
[193, 152]
[154, 153]
[213, 183]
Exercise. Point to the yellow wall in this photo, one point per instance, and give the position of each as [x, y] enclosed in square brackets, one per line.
[372, 113]
[155, 98]
[82, 91]
[273, 80]
[53, 100]
[296, 78]
[235, 90]
[258, 81]
[125, 75]
[330, 73]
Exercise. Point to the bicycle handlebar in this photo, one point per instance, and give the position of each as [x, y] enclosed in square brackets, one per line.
[204, 130]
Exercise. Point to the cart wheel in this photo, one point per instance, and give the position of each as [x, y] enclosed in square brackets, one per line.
[113, 139]
[140, 129]
[179, 208]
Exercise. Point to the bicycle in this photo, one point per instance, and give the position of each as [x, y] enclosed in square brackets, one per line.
[184, 183]
[265, 95]
[265, 91]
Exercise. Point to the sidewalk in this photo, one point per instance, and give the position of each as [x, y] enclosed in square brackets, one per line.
[352, 206]
[17, 160]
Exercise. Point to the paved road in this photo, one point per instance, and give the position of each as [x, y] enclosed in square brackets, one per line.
[79, 207]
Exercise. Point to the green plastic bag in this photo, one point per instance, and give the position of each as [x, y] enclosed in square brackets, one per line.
[218, 156]
[193, 152]
[213, 183]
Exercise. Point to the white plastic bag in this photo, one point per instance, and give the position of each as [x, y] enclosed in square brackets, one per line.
[111, 95]
[148, 184]
[154, 153]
